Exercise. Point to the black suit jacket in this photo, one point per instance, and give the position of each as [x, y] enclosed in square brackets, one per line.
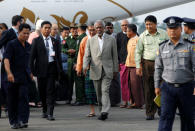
[6, 37]
[39, 57]
[122, 41]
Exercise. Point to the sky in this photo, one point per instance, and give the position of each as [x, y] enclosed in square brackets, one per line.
[184, 10]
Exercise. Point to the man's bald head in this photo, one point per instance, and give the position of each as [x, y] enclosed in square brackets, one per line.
[124, 24]
[54, 25]
[54, 29]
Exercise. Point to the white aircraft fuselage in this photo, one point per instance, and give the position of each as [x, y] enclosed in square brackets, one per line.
[64, 12]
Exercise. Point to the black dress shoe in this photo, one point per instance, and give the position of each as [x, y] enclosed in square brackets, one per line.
[50, 118]
[44, 115]
[14, 126]
[150, 118]
[23, 125]
[103, 116]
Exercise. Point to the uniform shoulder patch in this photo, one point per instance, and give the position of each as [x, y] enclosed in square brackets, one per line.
[163, 42]
[188, 41]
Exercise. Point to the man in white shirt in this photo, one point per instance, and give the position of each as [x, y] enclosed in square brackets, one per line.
[101, 54]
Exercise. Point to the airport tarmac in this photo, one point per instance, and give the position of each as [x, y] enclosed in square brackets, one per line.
[73, 118]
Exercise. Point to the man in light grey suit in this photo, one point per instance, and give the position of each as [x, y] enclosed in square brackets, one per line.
[101, 56]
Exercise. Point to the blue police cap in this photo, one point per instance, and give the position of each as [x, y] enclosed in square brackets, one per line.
[173, 21]
[189, 22]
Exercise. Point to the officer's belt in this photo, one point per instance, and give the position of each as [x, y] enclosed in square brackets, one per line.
[177, 85]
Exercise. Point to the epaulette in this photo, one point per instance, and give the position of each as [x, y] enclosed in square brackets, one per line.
[193, 41]
[163, 42]
[188, 41]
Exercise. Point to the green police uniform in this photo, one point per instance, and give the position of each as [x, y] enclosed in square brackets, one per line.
[71, 43]
[79, 80]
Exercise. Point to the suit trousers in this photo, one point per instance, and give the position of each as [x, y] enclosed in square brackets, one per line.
[115, 91]
[102, 91]
[18, 108]
[149, 92]
[46, 87]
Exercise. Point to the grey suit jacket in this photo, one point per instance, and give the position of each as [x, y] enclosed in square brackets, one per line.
[108, 58]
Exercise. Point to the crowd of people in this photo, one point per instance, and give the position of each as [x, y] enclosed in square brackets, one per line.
[42, 66]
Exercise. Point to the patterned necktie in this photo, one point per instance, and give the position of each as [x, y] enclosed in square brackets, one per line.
[47, 46]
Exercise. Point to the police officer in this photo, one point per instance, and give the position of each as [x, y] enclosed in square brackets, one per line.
[175, 65]
[189, 28]
[70, 49]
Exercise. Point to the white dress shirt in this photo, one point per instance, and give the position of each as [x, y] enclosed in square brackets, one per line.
[51, 51]
[101, 42]
[15, 30]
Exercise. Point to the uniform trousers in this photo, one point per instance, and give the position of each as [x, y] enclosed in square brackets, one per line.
[80, 88]
[71, 77]
[177, 97]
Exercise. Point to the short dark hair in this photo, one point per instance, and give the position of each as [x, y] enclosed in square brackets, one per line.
[16, 19]
[22, 26]
[4, 25]
[151, 18]
[190, 26]
[83, 28]
[109, 24]
[65, 28]
[45, 23]
[132, 27]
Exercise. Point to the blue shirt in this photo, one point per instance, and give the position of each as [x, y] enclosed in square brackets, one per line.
[175, 63]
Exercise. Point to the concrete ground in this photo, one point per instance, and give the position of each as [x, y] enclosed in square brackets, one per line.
[71, 118]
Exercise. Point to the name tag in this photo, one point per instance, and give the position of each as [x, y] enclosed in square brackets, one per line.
[166, 51]
[184, 51]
